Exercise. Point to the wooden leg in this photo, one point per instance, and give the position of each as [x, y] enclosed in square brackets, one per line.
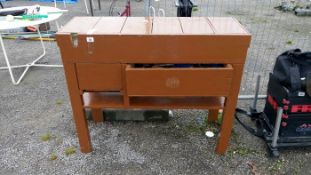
[97, 115]
[77, 109]
[212, 115]
[229, 110]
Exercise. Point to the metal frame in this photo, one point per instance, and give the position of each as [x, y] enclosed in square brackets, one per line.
[26, 66]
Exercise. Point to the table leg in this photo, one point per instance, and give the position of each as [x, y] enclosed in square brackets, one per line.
[7, 60]
[97, 115]
[212, 115]
[77, 109]
[229, 110]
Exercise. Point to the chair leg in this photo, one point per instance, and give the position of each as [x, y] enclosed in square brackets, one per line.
[1, 4]
[86, 8]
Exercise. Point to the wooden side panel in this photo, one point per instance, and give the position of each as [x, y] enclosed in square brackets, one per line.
[178, 81]
[99, 77]
[163, 49]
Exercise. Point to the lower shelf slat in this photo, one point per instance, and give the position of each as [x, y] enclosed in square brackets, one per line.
[102, 100]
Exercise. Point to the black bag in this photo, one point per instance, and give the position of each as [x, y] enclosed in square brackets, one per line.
[293, 70]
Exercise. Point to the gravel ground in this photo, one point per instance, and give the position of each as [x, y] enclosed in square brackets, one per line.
[37, 133]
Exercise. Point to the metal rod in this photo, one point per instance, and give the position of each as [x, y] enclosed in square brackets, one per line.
[277, 127]
[91, 7]
[147, 9]
[256, 92]
[249, 97]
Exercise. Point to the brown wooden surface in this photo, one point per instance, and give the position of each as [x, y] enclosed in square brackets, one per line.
[171, 40]
[97, 115]
[98, 100]
[178, 81]
[229, 110]
[213, 115]
[106, 46]
[99, 77]
[78, 109]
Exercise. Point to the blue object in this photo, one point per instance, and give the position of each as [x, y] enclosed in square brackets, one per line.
[67, 1]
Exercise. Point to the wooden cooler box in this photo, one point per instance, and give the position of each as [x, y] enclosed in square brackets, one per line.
[153, 63]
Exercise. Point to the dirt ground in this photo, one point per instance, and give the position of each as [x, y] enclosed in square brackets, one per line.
[37, 132]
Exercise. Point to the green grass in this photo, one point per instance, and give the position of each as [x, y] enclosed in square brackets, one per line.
[70, 150]
[289, 42]
[46, 137]
[195, 9]
[277, 165]
[242, 151]
[53, 157]
[59, 102]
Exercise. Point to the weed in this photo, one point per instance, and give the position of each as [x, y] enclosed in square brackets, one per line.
[59, 102]
[70, 150]
[53, 156]
[289, 42]
[277, 165]
[242, 151]
[46, 137]
[194, 9]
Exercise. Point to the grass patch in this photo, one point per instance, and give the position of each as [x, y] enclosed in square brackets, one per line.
[242, 151]
[70, 150]
[53, 157]
[277, 165]
[296, 30]
[59, 102]
[193, 128]
[46, 137]
[195, 9]
[289, 42]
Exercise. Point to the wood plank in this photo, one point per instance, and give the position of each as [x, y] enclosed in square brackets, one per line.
[137, 26]
[229, 26]
[178, 81]
[166, 26]
[77, 109]
[80, 25]
[99, 77]
[108, 26]
[102, 100]
[195, 26]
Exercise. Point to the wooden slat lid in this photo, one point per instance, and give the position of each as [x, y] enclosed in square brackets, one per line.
[196, 26]
[166, 26]
[137, 25]
[80, 25]
[227, 26]
[155, 26]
